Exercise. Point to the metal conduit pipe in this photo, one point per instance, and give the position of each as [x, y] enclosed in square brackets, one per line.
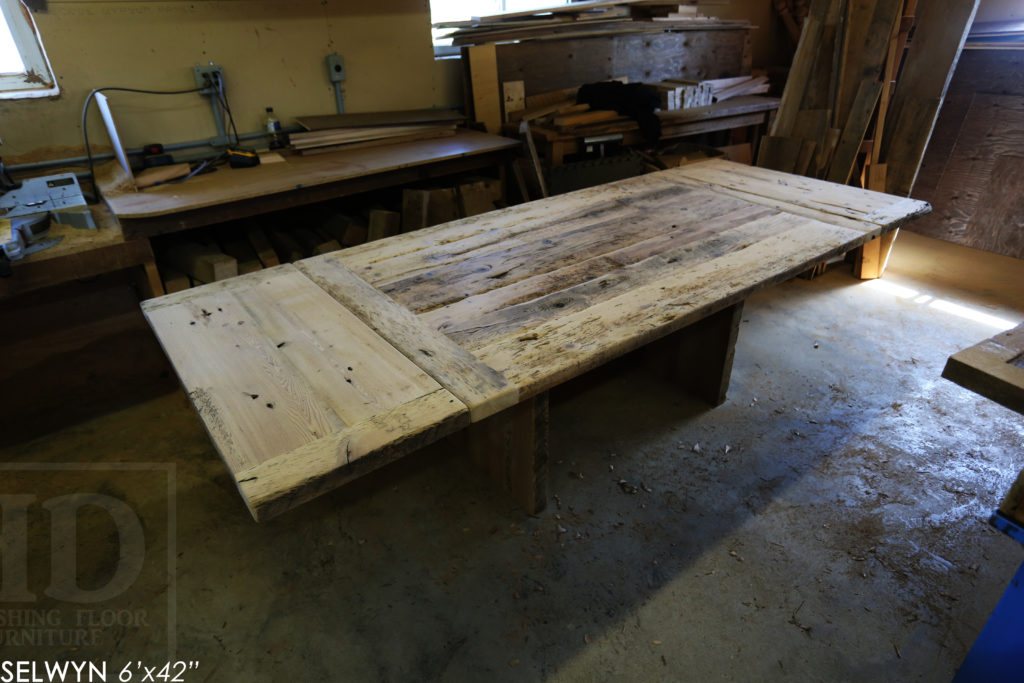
[174, 146]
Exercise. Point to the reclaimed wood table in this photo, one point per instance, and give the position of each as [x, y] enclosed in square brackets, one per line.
[310, 374]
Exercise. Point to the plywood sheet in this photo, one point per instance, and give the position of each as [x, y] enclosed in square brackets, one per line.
[977, 199]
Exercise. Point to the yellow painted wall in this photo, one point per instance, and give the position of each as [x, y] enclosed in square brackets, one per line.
[272, 54]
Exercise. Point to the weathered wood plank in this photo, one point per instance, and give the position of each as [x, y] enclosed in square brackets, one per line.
[272, 363]
[481, 388]
[544, 355]
[931, 59]
[863, 107]
[994, 368]
[699, 357]
[512, 447]
[850, 207]
[549, 65]
[290, 479]
[600, 232]
[484, 328]
[353, 379]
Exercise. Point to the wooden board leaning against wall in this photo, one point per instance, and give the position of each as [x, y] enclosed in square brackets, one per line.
[863, 94]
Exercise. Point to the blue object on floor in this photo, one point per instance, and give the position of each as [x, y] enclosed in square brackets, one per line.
[997, 656]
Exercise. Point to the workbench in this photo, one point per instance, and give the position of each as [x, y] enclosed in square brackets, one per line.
[233, 193]
[83, 253]
[311, 374]
[753, 112]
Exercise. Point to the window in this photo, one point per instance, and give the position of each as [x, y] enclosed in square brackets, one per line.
[24, 69]
[463, 10]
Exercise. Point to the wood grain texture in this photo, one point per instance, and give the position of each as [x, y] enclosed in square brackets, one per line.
[544, 291]
[236, 184]
[977, 71]
[989, 369]
[512, 448]
[481, 388]
[548, 65]
[699, 357]
[369, 352]
[290, 479]
[857, 123]
[977, 199]
[484, 85]
[272, 363]
[850, 207]
[923, 81]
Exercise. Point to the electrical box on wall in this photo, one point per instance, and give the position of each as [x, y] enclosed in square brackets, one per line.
[208, 76]
[335, 67]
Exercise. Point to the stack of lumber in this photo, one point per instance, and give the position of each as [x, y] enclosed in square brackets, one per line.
[213, 254]
[583, 19]
[726, 88]
[680, 93]
[350, 131]
[574, 120]
[861, 100]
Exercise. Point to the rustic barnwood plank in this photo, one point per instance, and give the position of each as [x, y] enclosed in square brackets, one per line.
[490, 320]
[642, 58]
[512, 448]
[931, 59]
[699, 357]
[544, 355]
[863, 107]
[993, 368]
[272, 363]
[292, 478]
[483, 85]
[481, 388]
[850, 207]
[799, 73]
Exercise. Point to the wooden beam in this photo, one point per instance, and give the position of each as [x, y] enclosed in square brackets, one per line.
[941, 30]
[205, 263]
[486, 98]
[699, 357]
[512, 447]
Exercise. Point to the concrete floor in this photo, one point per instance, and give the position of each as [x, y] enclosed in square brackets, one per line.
[826, 523]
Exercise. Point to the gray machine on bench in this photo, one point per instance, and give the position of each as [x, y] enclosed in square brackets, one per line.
[31, 206]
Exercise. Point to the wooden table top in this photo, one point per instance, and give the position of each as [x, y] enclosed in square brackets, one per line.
[485, 311]
[227, 185]
[993, 368]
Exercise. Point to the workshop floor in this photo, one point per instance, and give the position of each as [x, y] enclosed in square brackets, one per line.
[828, 522]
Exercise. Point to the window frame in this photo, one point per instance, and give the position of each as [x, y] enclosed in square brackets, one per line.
[38, 79]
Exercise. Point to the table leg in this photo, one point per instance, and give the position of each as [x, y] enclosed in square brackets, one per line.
[699, 356]
[871, 259]
[148, 279]
[512, 446]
